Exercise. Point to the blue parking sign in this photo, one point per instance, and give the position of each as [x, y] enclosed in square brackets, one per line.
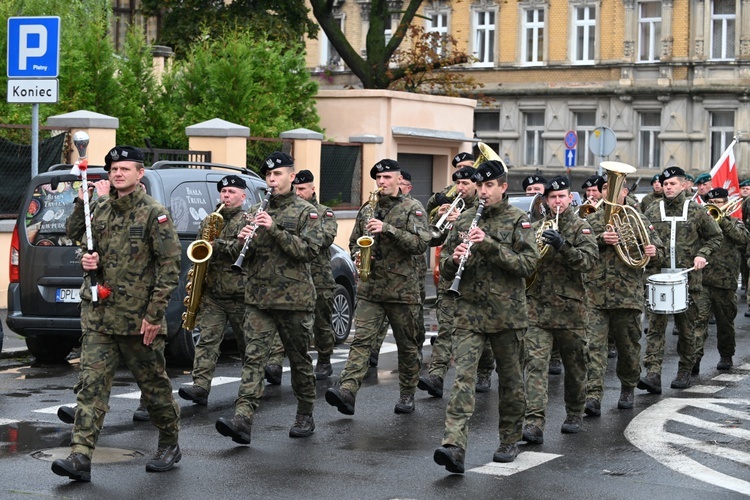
[33, 47]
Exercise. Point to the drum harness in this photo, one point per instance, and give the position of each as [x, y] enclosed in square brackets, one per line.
[673, 234]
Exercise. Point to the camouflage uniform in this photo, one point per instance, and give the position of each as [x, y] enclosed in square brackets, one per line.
[392, 292]
[139, 259]
[649, 199]
[222, 299]
[615, 296]
[745, 262]
[697, 235]
[720, 288]
[280, 295]
[557, 310]
[322, 276]
[492, 306]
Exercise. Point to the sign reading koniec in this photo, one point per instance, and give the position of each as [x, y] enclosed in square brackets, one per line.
[32, 91]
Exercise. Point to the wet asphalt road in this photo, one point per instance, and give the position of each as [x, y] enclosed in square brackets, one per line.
[661, 449]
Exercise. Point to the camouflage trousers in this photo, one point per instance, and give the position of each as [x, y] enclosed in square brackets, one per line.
[295, 330]
[442, 349]
[100, 356]
[421, 333]
[624, 326]
[212, 322]
[572, 346]
[368, 320]
[507, 346]
[325, 339]
[723, 303]
[686, 342]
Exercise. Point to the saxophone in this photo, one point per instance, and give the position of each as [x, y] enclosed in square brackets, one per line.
[199, 252]
[366, 241]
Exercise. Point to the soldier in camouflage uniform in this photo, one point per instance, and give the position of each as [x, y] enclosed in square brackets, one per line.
[615, 297]
[459, 161]
[744, 265]
[703, 185]
[137, 256]
[399, 227]
[223, 294]
[655, 195]
[279, 295]
[557, 310]
[491, 306]
[691, 237]
[720, 286]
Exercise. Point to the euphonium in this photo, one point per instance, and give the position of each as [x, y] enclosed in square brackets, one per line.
[624, 219]
[199, 252]
[733, 204]
[366, 241]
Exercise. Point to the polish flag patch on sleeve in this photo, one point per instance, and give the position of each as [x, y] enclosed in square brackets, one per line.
[651, 227]
[162, 218]
[313, 215]
[419, 213]
[329, 213]
[586, 230]
[526, 224]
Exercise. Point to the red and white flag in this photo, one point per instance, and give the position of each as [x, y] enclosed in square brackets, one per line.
[724, 175]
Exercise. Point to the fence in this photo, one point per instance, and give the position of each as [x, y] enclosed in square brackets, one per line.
[152, 155]
[341, 175]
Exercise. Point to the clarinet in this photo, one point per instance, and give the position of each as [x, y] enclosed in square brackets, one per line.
[453, 290]
[237, 266]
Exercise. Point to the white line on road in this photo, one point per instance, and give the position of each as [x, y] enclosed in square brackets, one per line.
[729, 377]
[524, 461]
[705, 389]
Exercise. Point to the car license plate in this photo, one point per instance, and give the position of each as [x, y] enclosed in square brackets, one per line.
[68, 295]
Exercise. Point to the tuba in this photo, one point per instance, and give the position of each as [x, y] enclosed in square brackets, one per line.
[718, 212]
[624, 219]
[199, 252]
[366, 241]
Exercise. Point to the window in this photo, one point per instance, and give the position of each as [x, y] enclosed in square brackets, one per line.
[484, 37]
[584, 29]
[487, 121]
[438, 23]
[329, 57]
[649, 146]
[340, 176]
[722, 132]
[534, 146]
[649, 31]
[585, 125]
[532, 48]
[723, 18]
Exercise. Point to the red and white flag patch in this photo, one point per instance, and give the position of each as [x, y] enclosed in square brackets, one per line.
[586, 230]
[526, 224]
[651, 227]
[313, 215]
[329, 213]
[419, 213]
[162, 218]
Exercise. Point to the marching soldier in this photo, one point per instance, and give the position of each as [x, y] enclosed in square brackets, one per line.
[459, 161]
[286, 237]
[703, 185]
[654, 195]
[592, 188]
[534, 184]
[222, 299]
[399, 227]
[491, 306]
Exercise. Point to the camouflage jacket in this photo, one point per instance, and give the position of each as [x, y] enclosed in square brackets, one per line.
[139, 260]
[746, 211]
[320, 268]
[492, 285]
[699, 235]
[393, 268]
[556, 297]
[278, 259]
[612, 284]
[649, 199]
[725, 263]
[221, 281]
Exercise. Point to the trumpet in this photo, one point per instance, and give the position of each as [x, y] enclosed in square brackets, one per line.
[733, 204]
[237, 266]
[453, 290]
[438, 229]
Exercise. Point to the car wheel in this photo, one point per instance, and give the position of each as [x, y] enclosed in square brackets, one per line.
[343, 313]
[49, 349]
[182, 346]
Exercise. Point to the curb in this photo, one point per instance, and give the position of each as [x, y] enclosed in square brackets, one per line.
[14, 352]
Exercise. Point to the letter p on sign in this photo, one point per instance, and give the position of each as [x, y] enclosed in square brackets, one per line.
[33, 44]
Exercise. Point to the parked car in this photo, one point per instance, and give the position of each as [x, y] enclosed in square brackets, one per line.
[45, 269]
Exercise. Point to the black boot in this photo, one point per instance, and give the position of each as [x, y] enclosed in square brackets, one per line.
[197, 395]
[405, 404]
[67, 414]
[432, 384]
[273, 374]
[165, 458]
[304, 426]
[141, 413]
[77, 467]
[342, 399]
[451, 457]
[238, 428]
[651, 383]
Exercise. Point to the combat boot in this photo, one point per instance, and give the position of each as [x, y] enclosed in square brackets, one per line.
[77, 467]
[342, 399]
[273, 374]
[374, 358]
[67, 414]
[323, 370]
[432, 384]
[141, 413]
[651, 383]
[627, 396]
[484, 384]
[238, 428]
[532, 434]
[405, 404]
[696, 367]
[197, 395]
[611, 352]
[682, 381]
[725, 363]
[505, 453]
[555, 367]
[593, 407]
[572, 424]
[165, 457]
[451, 457]
[304, 426]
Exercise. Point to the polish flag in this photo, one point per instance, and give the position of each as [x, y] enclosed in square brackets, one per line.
[724, 175]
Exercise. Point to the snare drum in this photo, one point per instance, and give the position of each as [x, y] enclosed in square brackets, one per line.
[667, 293]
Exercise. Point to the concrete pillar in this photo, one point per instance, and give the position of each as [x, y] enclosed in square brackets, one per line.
[102, 131]
[226, 141]
[307, 148]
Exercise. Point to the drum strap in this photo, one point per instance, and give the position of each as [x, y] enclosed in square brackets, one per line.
[673, 229]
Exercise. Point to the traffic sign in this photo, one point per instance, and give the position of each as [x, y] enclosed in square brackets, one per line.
[571, 139]
[32, 91]
[603, 141]
[570, 158]
[33, 47]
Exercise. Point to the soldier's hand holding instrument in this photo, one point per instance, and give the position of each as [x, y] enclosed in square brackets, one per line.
[467, 242]
[237, 266]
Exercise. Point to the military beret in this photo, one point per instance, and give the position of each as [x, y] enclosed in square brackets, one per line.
[276, 160]
[406, 175]
[654, 178]
[489, 170]
[594, 181]
[303, 177]
[690, 178]
[466, 172]
[559, 183]
[717, 193]
[702, 179]
[384, 165]
[231, 181]
[745, 183]
[671, 172]
[533, 179]
[460, 157]
[122, 153]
